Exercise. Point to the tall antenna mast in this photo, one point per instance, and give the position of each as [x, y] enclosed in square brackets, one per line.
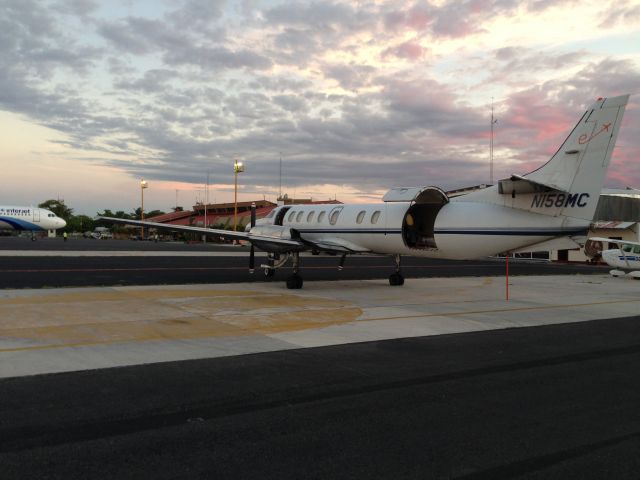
[493, 122]
[280, 191]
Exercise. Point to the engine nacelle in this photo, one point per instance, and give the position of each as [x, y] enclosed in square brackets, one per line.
[261, 236]
[275, 231]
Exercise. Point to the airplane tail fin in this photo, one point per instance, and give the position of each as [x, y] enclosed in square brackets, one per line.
[569, 184]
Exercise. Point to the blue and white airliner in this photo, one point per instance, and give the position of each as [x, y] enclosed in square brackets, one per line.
[548, 205]
[31, 219]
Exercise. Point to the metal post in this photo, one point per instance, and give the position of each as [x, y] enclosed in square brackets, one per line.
[143, 185]
[507, 275]
[235, 197]
[238, 167]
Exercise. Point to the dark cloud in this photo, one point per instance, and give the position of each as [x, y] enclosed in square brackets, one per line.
[80, 8]
[350, 77]
[182, 93]
[626, 13]
[218, 57]
[154, 80]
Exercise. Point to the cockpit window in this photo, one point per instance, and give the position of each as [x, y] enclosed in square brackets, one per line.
[626, 248]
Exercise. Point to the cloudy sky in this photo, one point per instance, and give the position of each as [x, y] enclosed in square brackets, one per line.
[354, 96]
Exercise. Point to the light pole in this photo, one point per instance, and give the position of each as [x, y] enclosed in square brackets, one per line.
[143, 185]
[238, 167]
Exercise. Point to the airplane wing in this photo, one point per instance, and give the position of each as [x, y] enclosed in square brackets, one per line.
[267, 239]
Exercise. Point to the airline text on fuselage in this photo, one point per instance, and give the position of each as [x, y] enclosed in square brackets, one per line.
[560, 200]
[15, 211]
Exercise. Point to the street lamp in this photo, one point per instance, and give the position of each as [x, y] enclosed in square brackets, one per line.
[143, 185]
[238, 167]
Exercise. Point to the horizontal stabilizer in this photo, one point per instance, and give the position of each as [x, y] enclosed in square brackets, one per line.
[519, 184]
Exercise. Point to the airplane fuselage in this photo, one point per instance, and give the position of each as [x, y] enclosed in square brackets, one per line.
[29, 218]
[625, 258]
[455, 230]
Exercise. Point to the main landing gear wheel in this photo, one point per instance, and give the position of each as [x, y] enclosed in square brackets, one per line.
[294, 282]
[396, 279]
[269, 272]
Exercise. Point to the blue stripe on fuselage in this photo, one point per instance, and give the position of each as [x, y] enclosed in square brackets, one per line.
[533, 232]
[20, 224]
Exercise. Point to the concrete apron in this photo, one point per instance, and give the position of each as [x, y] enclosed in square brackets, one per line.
[45, 331]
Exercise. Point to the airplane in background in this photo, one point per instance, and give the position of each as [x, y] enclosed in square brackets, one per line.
[625, 257]
[548, 205]
[31, 219]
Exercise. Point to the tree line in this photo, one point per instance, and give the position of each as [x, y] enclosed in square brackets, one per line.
[83, 223]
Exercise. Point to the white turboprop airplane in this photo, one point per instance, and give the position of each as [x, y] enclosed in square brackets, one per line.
[625, 257]
[29, 218]
[556, 201]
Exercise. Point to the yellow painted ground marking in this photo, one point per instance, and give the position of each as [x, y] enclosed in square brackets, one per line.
[155, 315]
[257, 301]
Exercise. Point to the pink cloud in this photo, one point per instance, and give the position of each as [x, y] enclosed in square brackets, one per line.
[409, 50]
[416, 18]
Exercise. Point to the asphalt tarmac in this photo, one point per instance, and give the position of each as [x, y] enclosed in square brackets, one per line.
[220, 264]
[549, 402]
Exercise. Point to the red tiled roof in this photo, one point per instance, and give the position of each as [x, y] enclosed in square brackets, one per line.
[170, 217]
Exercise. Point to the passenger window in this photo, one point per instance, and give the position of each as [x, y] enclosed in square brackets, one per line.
[291, 215]
[321, 216]
[360, 217]
[299, 217]
[375, 216]
[310, 216]
[333, 217]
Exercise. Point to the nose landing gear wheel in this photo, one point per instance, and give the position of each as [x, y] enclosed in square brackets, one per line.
[294, 282]
[396, 279]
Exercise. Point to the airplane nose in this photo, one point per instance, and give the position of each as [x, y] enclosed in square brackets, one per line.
[62, 223]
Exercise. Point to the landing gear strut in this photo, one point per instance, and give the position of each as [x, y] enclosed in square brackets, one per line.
[396, 279]
[295, 280]
[269, 269]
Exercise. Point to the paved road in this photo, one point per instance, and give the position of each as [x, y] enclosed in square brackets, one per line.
[38, 272]
[551, 402]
